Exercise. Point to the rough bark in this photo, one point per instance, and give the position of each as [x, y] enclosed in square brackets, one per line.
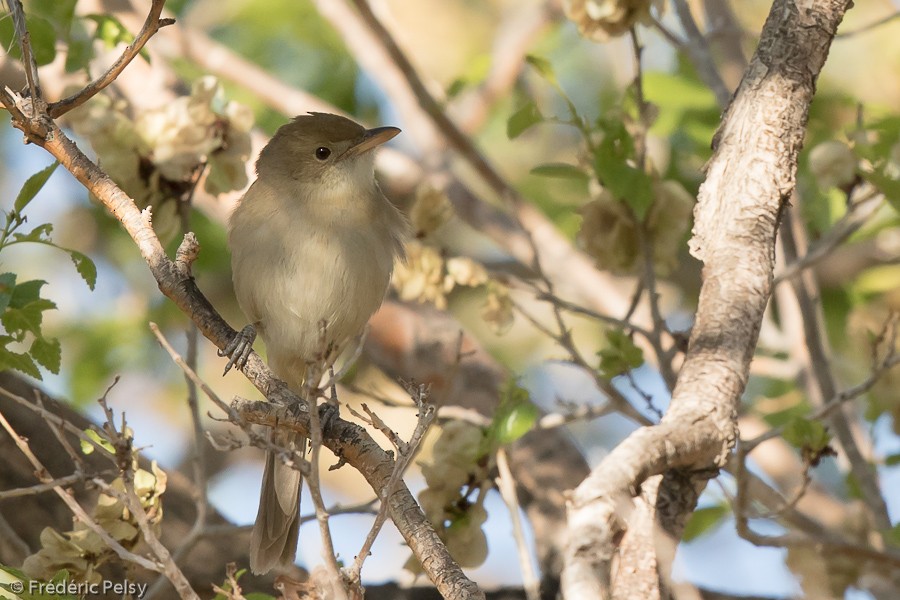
[749, 180]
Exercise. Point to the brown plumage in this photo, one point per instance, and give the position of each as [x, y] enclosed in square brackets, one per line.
[313, 240]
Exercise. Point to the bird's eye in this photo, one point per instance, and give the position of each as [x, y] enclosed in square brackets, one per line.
[322, 152]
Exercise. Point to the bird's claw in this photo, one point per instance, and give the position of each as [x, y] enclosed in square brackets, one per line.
[239, 348]
[328, 414]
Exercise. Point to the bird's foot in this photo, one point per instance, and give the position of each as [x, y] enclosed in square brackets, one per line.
[328, 414]
[239, 348]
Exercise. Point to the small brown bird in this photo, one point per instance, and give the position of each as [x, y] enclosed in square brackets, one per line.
[313, 243]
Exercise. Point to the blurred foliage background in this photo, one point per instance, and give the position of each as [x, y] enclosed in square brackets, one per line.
[103, 332]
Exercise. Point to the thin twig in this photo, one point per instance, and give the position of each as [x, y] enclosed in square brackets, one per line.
[891, 360]
[122, 440]
[585, 412]
[457, 139]
[825, 541]
[667, 33]
[151, 26]
[635, 300]
[76, 457]
[313, 479]
[616, 399]
[49, 486]
[640, 138]
[698, 51]
[868, 27]
[198, 460]
[646, 243]
[74, 506]
[358, 345]
[859, 210]
[31, 70]
[822, 385]
[192, 375]
[60, 422]
[405, 453]
[169, 568]
[200, 527]
[507, 486]
[586, 312]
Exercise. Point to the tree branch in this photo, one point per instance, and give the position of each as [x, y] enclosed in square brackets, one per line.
[151, 26]
[175, 281]
[352, 444]
[749, 178]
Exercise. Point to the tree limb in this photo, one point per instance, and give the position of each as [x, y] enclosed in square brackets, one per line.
[749, 179]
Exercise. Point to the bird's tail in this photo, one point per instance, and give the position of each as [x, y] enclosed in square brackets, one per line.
[277, 528]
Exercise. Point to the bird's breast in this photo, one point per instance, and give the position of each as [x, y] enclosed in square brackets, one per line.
[297, 271]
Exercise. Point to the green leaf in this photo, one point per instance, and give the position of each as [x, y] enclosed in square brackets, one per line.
[58, 12]
[561, 171]
[25, 314]
[515, 416]
[543, 67]
[611, 163]
[40, 33]
[26, 292]
[13, 579]
[41, 233]
[20, 362]
[893, 460]
[456, 86]
[522, 119]
[475, 72]
[47, 352]
[888, 186]
[617, 145]
[8, 35]
[33, 186]
[87, 447]
[777, 418]
[43, 39]
[806, 433]
[892, 535]
[110, 30]
[79, 52]
[686, 106]
[85, 267]
[21, 320]
[545, 70]
[704, 520]
[854, 491]
[620, 355]
[631, 186]
[7, 286]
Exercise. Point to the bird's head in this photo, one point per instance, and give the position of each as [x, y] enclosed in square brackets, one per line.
[323, 149]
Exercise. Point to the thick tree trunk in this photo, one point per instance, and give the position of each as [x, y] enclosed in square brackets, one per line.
[749, 180]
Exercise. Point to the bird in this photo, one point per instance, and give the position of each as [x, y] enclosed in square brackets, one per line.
[313, 243]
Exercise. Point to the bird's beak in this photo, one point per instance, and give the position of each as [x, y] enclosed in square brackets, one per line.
[369, 140]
